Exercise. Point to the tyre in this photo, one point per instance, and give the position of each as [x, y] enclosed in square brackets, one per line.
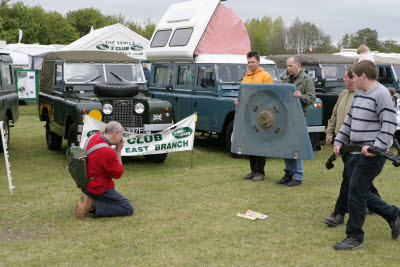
[157, 158]
[53, 140]
[116, 89]
[315, 141]
[228, 140]
[6, 127]
[72, 136]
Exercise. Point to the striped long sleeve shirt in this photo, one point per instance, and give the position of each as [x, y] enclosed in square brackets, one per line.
[371, 120]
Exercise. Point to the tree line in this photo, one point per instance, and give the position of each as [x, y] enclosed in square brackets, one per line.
[267, 35]
[50, 27]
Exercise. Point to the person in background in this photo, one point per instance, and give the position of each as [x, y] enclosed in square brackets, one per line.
[365, 54]
[146, 72]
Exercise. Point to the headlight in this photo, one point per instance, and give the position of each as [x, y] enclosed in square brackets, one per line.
[139, 108]
[107, 109]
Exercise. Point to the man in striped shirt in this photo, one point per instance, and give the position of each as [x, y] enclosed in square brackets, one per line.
[371, 121]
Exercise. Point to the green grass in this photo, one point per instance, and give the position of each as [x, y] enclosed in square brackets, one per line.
[182, 216]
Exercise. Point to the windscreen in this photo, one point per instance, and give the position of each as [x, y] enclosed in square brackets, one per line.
[334, 71]
[231, 73]
[83, 73]
[124, 73]
[397, 71]
[271, 70]
[97, 73]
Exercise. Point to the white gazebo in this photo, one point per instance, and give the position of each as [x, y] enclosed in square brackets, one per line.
[114, 38]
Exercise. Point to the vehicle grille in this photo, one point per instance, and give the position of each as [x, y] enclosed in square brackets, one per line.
[123, 113]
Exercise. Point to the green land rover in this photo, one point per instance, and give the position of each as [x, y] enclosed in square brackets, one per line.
[8, 96]
[105, 85]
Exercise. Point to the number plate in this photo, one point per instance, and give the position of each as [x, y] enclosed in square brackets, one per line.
[133, 130]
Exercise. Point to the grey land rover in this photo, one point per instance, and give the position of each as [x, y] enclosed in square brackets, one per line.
[8, 96]
[105, 85]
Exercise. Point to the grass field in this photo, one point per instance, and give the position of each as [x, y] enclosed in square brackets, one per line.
[182, 216]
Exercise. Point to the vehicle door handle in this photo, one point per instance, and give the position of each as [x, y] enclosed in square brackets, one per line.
[195, 104]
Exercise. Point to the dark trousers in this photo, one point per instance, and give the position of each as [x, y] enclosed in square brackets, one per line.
[362, 171]
[110, 203]
[257, 164]
[341, 202]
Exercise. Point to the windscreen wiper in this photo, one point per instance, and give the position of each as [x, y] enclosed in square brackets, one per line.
[92, 80]
[118, 77]
[235, 83]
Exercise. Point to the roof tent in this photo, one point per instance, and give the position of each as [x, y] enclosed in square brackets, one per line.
[192, 28]
[114, 38]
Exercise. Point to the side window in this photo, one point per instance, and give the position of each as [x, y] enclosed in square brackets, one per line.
[163, 75]
[181, 37]
[7, 74]
[185, 76]
[58, 76]
[206, 72]
[160, 38]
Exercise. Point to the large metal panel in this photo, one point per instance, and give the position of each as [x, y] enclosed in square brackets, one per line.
[269, 122]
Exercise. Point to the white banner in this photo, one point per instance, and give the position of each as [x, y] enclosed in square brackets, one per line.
[178, 137]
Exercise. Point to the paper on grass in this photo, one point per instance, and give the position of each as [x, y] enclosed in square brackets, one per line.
[252, 215]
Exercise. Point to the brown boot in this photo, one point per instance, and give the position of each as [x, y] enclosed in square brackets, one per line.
[258, 177]
[83, 206]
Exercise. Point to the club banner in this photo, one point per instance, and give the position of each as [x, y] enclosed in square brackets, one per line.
[178, 137]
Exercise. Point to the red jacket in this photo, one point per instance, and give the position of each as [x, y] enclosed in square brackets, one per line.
[102, 164]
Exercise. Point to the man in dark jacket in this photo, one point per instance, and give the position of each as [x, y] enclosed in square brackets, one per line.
[104, 164]
[306, 93]
[146, 72]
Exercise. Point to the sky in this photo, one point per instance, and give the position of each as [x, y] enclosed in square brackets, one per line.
[334, 17]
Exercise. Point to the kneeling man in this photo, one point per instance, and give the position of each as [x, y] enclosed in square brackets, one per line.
[105, 164]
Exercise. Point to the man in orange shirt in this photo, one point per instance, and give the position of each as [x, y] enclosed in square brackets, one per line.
[256, 74]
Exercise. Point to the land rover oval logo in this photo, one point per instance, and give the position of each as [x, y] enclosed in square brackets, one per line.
[137, 48]
[102, 47]
[92, 132]
[182, 132]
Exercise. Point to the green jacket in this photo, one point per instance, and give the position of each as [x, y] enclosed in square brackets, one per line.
[339, 113]
[305, 84]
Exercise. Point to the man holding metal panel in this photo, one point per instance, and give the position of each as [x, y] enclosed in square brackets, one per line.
[306, 94]
[256, 74]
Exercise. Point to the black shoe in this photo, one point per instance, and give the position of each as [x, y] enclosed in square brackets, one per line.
[369, 212]
[349, 243]
[334, 220]
[293, 183]
[395, 226]
[249, 176]
[285, 179]
[258, 177]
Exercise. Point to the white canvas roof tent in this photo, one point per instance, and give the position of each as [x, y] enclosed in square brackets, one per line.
[114, 38]
[188, 29]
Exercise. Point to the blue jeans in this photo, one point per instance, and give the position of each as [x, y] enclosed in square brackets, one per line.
[110, 203]
[295, 168]
[362, 171]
